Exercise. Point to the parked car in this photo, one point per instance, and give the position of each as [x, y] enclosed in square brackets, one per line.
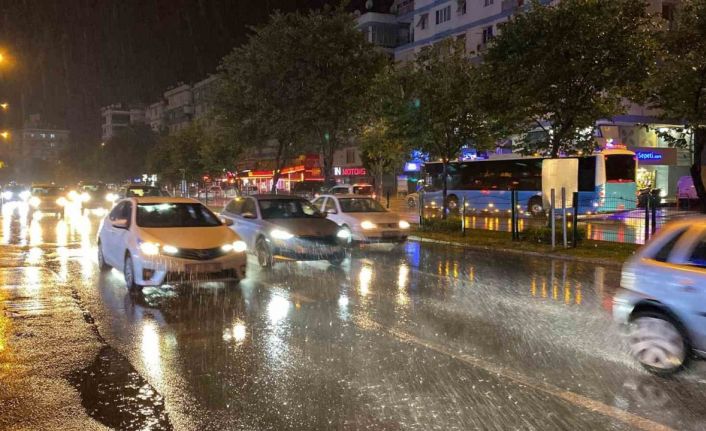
[353, 189]
[284, 226]
[364, 217]
[154, 240]
[662, 299]
[686, 191]
[308, 189]
[47, 198]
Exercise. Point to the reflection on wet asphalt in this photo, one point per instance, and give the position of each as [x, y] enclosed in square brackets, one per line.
[419, 337]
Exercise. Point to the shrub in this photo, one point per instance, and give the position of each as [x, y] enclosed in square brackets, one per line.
[451, 224]
[543, 234]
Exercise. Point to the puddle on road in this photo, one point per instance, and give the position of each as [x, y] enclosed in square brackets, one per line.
[113, 393]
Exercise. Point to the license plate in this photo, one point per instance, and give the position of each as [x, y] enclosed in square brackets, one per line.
[390, 234]
[204, 267]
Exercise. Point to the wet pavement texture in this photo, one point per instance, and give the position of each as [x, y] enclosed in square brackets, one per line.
[419, 337]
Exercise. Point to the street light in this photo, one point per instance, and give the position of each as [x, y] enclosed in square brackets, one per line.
[4, 106]
[5, 135]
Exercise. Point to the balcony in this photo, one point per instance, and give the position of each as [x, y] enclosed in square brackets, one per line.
[405, 6]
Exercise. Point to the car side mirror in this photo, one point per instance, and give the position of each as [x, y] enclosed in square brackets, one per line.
[248, 215]
[227, 221]
[120, 223]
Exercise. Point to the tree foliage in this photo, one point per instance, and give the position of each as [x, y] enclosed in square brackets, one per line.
[561, 68]
[435, 103]
[123, 156]
[301, 78]
[382, 150]
[176, 156]
[678, 87]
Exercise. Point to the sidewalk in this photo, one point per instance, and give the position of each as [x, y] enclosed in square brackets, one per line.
[43, 338]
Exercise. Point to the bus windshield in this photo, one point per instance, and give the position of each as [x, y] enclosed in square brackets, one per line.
[620, 168]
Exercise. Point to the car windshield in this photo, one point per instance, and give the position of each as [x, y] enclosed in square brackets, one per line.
[91, 188]
[620, 168]
[163, 215]
[287, 208]
[46, 191]
[360, 205]
[143, 191]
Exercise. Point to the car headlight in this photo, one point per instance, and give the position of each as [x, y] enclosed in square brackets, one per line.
[404, 224]
[61, 201]
[239, 246]
[149, 248]
[111, 197]
[73, 195]
[25, 195]
[281, 234]
[169, 249]
[34, 201]
[85, 197]
[366, 224]
[343, 234]
[7, 195]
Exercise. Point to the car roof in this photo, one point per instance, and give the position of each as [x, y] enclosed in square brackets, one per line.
[162, 200]
[271, 196]
[347, 196]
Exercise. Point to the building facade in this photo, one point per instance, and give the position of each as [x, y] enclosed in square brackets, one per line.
[118, 116]
[154, 116]
[179, 108]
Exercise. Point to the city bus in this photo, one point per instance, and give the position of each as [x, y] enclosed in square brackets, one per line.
[605, 182]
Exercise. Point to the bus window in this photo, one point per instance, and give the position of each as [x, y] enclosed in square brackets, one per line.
[587, 174]
[620, 168]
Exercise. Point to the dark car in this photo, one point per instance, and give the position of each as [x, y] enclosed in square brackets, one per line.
[94, 195]
[308, 189]
[15, 193]
[47, 198]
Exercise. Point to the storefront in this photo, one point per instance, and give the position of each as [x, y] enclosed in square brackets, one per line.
[308, 168]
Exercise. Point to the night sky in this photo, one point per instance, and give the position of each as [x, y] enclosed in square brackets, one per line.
[73, 56]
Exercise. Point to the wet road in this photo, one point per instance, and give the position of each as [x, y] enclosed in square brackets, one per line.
[423, 337]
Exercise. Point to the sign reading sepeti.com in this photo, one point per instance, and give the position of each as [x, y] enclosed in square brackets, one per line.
[655, 156]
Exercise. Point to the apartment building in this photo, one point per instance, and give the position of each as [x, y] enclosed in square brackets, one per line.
[118, 116]
[179, 109]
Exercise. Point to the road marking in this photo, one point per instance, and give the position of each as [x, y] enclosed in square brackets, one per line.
[616, 413]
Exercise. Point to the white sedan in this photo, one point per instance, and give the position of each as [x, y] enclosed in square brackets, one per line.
[160, 239]
[367, 220]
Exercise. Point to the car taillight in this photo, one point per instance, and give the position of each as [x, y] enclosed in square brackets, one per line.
[608, 304]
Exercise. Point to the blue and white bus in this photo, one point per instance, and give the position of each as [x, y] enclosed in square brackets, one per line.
[605, 182]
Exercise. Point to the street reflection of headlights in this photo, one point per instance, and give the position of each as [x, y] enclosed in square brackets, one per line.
[404, 224]
[7, 195]
[34, 201]
[61, 202]
[168, 249]
[25, 195]
[149, 248]
[343, 234]
[368, 225]
[111, 197]
[85, 197]
[281, 234]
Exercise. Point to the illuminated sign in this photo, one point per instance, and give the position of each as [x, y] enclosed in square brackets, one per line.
[339, 171]
[648, 155]
[411, 167]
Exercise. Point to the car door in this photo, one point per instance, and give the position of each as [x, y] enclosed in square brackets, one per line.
[246, 223]
[110, 235]
[331, 210]
[688, 285]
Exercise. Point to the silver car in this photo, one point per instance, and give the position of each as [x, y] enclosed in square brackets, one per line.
[286, 227]
[662, 299]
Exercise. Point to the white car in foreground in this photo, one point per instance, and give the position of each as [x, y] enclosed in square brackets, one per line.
[662, 299]
[155, 240]
[367, 220]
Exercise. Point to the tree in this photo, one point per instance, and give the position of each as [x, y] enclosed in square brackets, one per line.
[435, 104]
[298, 79]
[561, 68]
[123, 155]
[176, 156]
[678, 87]
[382, 152]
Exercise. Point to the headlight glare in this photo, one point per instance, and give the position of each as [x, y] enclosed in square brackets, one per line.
[73, 195]
[25, 195]
[343, 234]
[281, 234]
[85, 197]
[169, 249]
[239, 246]
[111, 197]
[7, 195]
[367, 224]
[61, 201]
[404, 224]
[34, 201]
[149, 248]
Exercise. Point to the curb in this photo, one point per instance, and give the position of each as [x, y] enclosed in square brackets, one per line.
[595, 261]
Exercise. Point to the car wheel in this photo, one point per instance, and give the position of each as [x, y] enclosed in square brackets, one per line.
[129, 274]
[535, 207]
[264, 254]
[658, 343]
[101, 259]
